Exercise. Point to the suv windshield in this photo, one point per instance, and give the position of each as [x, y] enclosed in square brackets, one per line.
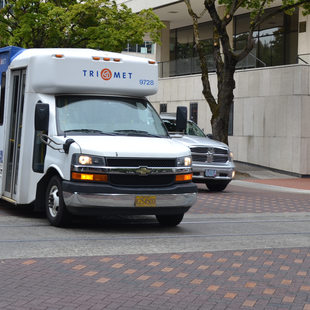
[191, 128]
[87, 115]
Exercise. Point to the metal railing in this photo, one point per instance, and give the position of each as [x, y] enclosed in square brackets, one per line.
[302, 56]
[187, 66]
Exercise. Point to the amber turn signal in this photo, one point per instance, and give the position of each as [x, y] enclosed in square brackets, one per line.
[183, 177]
[89, 177]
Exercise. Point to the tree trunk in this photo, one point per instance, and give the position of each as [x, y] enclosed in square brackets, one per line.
[226, 66]
[220, 119]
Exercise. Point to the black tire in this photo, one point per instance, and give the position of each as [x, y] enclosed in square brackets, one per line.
[55, 208]
[170, 220]
[217, 186]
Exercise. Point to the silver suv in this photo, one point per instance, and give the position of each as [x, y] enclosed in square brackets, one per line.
[212, 160]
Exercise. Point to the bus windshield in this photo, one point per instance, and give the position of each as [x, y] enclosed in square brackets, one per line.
[89, 115]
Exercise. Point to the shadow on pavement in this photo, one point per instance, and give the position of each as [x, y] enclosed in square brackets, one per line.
[120, 223]
[23, 211]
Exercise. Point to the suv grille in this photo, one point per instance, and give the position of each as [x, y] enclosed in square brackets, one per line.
[209, 155]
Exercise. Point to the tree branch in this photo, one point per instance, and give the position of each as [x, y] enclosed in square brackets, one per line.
[258, 20]
[279, 10]
[210, 6]
[203, 62]
[234, 7]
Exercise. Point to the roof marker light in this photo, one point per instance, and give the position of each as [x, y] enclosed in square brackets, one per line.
[96, 58]
[59, 55]
[106, 58]
[152, 62]
[117, 59]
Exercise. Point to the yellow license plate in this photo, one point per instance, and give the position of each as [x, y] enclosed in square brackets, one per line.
[145, 201]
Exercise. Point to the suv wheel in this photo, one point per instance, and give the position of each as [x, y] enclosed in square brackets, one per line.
[217, 186]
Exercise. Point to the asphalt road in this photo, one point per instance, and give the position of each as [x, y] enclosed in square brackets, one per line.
[27, 235]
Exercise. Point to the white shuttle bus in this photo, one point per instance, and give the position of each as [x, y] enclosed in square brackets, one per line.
[78, 136]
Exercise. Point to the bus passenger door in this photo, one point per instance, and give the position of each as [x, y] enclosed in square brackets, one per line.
[14, 133]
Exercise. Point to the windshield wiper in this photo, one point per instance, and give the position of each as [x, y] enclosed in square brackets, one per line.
[133, 132]
[85, 130]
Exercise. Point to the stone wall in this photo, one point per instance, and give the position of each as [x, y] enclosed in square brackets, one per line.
[271, 114]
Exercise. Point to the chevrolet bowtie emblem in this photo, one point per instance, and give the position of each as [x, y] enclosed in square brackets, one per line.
[143, 171]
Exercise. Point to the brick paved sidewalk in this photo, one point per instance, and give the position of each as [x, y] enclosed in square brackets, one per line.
[298, 183]
[250, 279]
[238, 199]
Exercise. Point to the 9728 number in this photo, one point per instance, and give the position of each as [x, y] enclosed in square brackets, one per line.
[146, 82]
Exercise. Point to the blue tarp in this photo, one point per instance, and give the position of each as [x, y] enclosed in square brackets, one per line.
[7, 54]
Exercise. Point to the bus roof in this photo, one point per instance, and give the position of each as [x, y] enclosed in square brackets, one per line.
[55, 71]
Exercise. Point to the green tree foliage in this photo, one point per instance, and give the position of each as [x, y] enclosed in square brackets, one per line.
[97, 24]
[224, 56]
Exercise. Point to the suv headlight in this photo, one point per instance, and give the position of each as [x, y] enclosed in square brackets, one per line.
[231, 155]
[185, 161]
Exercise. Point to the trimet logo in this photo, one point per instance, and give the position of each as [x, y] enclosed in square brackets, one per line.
[106, 74]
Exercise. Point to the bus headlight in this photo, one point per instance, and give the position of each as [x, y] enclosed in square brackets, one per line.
[87, 160]
[185, 161]
[88, 168]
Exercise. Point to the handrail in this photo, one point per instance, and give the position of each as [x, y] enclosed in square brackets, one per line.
[186, 66]
[259, 60]
[298, 57]
[48, 141]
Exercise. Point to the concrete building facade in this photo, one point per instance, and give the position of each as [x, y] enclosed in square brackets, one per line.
[270, 123]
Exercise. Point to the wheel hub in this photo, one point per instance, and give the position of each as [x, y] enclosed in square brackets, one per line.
[53, 201]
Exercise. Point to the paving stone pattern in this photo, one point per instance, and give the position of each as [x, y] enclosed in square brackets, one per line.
[243, 200]
[251, 279]
[248, 279]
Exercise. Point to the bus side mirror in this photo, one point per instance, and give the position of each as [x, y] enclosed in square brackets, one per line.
[41, 119]
[181, 119]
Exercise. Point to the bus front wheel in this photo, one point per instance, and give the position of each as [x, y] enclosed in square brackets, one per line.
[170, 220]
[56, 211]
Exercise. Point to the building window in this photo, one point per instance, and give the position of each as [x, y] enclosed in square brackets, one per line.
[163, 108]
[193, 112]
[302, 27]
[145, 48]
[183, 55]
[275, 39]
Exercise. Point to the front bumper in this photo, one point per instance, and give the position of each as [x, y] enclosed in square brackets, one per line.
[85, 198]
[222, 172]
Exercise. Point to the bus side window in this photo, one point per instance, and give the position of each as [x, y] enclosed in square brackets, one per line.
[2, 96]
[39, 151]
[39, 148]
